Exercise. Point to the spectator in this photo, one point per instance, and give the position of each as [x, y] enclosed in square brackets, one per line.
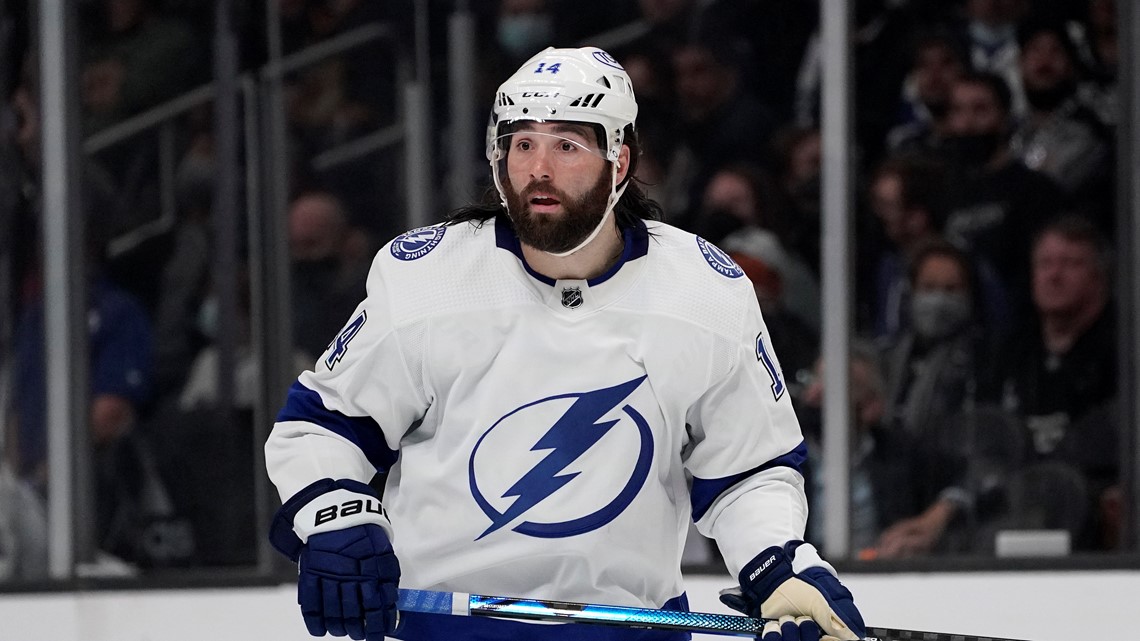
[796, 156]
[1059, 136]
[718, 122]
[880, 38]
[933, 368]
[743, 198]
[1067, 366]
[776, 35]
[141, 58]
[906, 198]
[997, 203]
[1099, 50]
[121, 382]
[892, 479]
[524, 28]
[990, 32]
[656, 120]
[738, 196]
[329, 267]
[936, 64]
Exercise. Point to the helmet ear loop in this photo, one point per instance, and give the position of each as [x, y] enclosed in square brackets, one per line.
[498, 163]
[615, 191]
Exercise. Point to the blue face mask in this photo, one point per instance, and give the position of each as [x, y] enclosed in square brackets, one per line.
[525, 33]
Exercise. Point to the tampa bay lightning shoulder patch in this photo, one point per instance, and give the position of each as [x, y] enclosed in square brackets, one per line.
[718, 260]
[416, 243]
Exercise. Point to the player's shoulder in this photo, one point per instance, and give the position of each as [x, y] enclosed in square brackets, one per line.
[687, 258]
[688, 277]
[426, 252]
[438, 269]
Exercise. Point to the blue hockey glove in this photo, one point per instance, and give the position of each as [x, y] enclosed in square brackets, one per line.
[798, 590]
[349, 576]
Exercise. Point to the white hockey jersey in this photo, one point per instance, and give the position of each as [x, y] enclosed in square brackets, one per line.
[552, 439]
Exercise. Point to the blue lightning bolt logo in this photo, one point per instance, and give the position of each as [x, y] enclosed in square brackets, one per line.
[575, 432]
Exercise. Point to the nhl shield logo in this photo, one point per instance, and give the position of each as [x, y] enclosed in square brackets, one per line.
[572, 297]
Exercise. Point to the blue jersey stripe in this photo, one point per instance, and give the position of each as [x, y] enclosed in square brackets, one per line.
[418, 626]
[706, 491]
[304, 404]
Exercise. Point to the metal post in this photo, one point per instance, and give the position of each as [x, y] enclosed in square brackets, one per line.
[835, 31]
[418, 173]
[262, 412]
[278, 330]
[1128, 266]
[65, 295]
[417, 159]
[272, 312]
[225, 206]
[461, 56]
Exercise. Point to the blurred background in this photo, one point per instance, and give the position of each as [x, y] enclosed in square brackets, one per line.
[933, 199]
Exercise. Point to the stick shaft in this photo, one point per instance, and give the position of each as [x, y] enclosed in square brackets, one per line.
[463, 604]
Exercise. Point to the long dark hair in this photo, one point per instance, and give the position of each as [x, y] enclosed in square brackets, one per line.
[633, 206]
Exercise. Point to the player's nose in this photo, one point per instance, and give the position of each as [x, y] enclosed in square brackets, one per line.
[541, 165]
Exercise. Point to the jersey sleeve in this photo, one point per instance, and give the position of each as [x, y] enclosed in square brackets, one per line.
[344, 418]
[747, 450]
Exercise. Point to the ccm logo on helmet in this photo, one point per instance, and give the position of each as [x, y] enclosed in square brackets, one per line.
[540, 94]
[348, 508]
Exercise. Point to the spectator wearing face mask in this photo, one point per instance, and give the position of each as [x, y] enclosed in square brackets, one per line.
[523, 28]
[933, 369]
[329, 264]
[997, 203]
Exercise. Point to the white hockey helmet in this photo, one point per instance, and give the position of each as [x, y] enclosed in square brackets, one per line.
[581, 85]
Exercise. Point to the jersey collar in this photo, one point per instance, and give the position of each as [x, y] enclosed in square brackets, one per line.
[570, 297]
[636, 245]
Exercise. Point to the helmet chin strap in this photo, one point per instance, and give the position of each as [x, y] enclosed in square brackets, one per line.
[615, 195]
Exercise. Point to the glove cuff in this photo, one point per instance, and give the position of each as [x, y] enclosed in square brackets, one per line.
[804, 556]
[324, 506]
[760, 576]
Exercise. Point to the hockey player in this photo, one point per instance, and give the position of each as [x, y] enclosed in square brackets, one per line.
[556, 384]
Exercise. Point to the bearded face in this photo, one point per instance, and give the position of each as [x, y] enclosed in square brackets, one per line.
[559, 231]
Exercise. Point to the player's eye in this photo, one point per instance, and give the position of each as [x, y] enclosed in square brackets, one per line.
[566, 145]
[523, 145]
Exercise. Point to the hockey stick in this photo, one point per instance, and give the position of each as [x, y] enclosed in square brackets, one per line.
[462, 604]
